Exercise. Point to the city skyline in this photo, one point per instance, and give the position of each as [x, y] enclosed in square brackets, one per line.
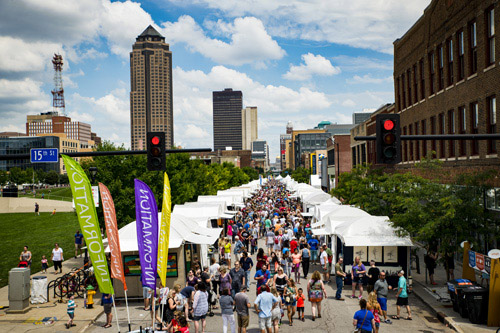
[293, 64]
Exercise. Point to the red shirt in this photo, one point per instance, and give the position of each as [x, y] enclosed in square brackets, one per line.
[300, 301]
[293, 245]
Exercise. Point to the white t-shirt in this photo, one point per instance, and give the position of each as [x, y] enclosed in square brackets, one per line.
[323, 258]
[58, 254]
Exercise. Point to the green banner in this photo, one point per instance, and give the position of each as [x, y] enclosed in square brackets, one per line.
[89, 224]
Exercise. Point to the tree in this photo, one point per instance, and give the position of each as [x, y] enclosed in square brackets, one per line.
[63, 179]
[286, 172]
[52, 177]
[301, 175]
[251, 172]
[17, 176]
[4, 177]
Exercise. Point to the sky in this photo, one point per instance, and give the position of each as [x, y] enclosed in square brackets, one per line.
[302, 61]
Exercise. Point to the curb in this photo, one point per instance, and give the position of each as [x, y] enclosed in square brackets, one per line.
[92, 321]
[440, 315]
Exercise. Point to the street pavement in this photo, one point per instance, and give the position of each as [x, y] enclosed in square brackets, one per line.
[336, 315]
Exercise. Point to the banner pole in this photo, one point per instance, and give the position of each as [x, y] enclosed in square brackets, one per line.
[128, 314]
[116, 314]
[154, 313]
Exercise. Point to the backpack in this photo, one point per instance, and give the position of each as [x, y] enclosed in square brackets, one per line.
[276, 240]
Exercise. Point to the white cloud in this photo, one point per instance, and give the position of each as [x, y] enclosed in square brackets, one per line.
[313, 65]
[367, 78]
[348, 63]
[349, 102]
[17, 55]
[12, 128]
[249, 40]
[371, 24]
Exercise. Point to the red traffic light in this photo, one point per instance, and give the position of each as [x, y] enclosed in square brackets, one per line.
[388, 125]
[155, 140]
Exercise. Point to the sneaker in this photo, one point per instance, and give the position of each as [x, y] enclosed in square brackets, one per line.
[388, 321]
[360, 297]
[353, 296]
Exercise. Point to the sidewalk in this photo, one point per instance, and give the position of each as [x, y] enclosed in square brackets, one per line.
[436, 297]
[51, 316]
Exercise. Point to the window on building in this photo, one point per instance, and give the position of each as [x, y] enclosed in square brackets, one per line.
[473, 47]
[408, 84]
[398, 94]
[474, 128]
[363, 153]
[451, 130]
[490, 34]
[422, 79]
[403, 86]
[410, 143]
[461, 53]
[424, 132]
[441, 67]
[415, 80]
[353, 156]
[433, 131]
[450, 62]
[432, 71]
[441, 131]
[417, 143]
[492, 122]
[462, 127]
[405, 150]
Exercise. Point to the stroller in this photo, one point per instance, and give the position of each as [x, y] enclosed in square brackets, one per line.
[23, 264]
[212, 300]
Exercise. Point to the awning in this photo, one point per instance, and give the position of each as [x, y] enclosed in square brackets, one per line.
[319, 232]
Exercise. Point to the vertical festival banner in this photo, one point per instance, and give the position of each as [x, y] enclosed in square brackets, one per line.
[164, 231]
[87, 217]
[146, 214]
[108, 208]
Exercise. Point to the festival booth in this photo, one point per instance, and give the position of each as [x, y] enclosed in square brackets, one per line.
[186, 239]
[372, 238]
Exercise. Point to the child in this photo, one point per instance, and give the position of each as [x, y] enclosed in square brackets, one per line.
[45, 264]
[184, 326]
[300, 304]
[174, 325]
[71, 311]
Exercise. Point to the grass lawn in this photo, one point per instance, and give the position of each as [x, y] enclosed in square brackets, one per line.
[39, 233]
[59, 193]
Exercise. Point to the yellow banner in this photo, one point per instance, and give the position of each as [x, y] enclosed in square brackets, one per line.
[164, 231]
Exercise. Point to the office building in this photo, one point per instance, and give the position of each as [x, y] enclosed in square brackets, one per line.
[260, 154]
[249, 129]
[151, 108]
[227, 124]
[52, 122]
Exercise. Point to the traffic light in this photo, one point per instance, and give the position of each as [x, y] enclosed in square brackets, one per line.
[156, 151]
[388, 139]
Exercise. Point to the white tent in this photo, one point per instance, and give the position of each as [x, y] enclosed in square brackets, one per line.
[370, 231]
[316, 198]
[202, 212]
[338, 214]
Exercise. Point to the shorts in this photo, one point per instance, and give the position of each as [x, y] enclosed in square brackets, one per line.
[383, 303]
[431, 270]
[402, 301]
[243, 321]
[357, 279]
[182, 301]
[146, 292]
[227, 255]
[377, 324]
[265, 322]
[57, 264]
[78, 246]
[198, 318]
[300, 309]
[276, 314]
[71, 315]
[107, 308]
[324, 269]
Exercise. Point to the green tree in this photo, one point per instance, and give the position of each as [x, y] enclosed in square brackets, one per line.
[63, 179]
[52, 177]
[301, 175]
[17, 176]
[251, 172]
[4, 177]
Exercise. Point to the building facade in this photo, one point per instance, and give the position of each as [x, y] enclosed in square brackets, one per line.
[227, 122]
[52, 122]
[306, 143]
[23, 145]
[249, 128]
[447, 80]
[151, 105]
[260, 154]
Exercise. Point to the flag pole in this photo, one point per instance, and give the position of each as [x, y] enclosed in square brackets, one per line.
[128, 314]
[154, 312]
[116, 313]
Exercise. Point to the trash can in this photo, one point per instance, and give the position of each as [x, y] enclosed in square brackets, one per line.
[476, 301]
[39, 290]
[455, 288]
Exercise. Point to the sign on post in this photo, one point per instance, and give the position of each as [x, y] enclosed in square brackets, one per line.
[44, 155]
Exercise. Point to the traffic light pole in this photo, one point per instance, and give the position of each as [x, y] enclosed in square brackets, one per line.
[438, 137]
[108, 153]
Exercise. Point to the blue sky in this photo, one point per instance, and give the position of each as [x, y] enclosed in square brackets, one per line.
[303, 61]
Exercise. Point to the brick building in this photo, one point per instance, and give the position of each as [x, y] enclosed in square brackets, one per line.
[338, 153]
[446, 80]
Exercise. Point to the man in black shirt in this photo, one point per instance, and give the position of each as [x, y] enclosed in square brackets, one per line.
[373, 274]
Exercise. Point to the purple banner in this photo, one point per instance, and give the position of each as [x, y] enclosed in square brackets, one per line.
[146, 214]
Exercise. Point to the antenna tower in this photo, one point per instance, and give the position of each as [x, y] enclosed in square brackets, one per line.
[58, 92]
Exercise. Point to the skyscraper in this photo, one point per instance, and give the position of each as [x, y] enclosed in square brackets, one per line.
[151, 106]
[227, 108]
[249, 127]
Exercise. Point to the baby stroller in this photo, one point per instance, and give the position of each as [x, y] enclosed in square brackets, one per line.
[212, 300]
[23, 264]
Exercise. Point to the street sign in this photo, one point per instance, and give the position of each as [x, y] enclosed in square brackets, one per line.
[44, 155]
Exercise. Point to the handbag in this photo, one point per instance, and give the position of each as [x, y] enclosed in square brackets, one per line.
[358, 330]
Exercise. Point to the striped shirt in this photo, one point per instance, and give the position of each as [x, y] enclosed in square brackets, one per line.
[71, 306]
[200, 303]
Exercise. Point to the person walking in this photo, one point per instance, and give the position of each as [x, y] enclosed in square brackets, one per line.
[280, 280]
[57, 258]
[290, 296]
[263, 276]
[339, 278]
[227, 252]
[214, 275]
[276, 311]
[225, 279]
[238, 248]
[323, 260]
[402, 297]
[242, 304]
[306, 257]
[71, 311]
[226, 306]
[373, 275]
[270, 241]
[374, 307]
[246, 263]
[357, 274]
[430, 263]
[200, 308]
[313, 245]
[261, 259]
[26, 256]
[300, 303]
[296, 260]
[237, 279]
[107, 303]
[78, 243]
[263, 305]
[37, 208]
[381, 288]
[316, 292]
[363, 320]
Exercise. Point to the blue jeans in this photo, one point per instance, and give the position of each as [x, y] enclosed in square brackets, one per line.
[247, 278]
[314, 255]
[340, 284]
